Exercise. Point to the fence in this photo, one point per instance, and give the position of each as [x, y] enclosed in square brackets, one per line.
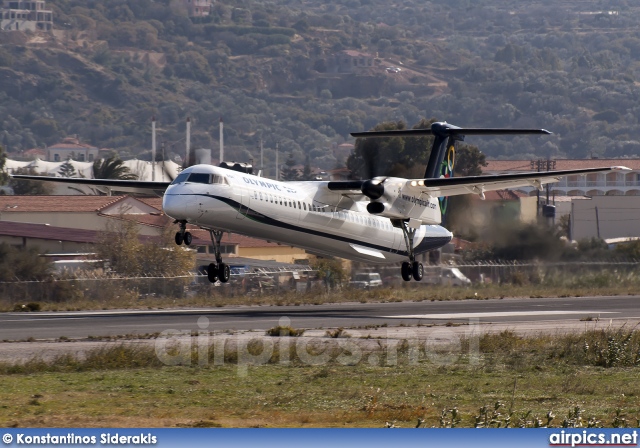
[127, 289]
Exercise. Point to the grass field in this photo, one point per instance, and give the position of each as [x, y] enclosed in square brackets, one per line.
[590, 379]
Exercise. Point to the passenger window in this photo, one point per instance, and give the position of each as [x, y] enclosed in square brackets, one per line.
[261, 196]
[305, 205]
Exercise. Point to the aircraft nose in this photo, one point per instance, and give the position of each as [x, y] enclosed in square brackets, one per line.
[173, 206]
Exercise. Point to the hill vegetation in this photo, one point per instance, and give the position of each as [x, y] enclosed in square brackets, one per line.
[268, 70]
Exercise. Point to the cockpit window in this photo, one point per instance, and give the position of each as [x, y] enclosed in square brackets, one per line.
[180, 179]
[216, 179]
[200, 178]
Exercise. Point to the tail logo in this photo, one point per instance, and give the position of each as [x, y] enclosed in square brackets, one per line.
[446, 170]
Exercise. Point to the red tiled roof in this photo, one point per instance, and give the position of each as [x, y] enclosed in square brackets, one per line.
[234, 238]
[503, 195]
[35, 152]
[159, 220]
[154, 202]
[561, 164]
[71, 143]
[47, 232]
[78, 204]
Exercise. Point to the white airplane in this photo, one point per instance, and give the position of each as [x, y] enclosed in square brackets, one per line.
[378, 220]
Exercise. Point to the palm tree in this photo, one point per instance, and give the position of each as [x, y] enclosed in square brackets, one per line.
[112, 168]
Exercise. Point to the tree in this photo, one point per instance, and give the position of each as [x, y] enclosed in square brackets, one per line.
[391, 156]
[22, 264]
[288, 172]
[121, 248]
[29, 187]
[112, 168]
[330, 270]
[3, 160]
[67, 170]
[306, 172]
[469, 161]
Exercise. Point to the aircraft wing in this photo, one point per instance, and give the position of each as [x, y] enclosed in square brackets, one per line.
[453, 186]
[127, 186]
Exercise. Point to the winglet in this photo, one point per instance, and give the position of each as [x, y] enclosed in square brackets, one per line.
[620, 168]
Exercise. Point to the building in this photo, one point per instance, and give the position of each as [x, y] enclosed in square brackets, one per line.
[62, 224]
[605, 217]
[95, 213]
[25, 15]
[198, 8]
[620, 183]
[350, 61]
[71, 148]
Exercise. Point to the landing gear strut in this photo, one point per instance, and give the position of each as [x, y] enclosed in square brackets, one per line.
[218, 270]
[182, 236]
[411, 268]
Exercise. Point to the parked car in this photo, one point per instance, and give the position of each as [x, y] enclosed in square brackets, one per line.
[453, 277]
[366, 280]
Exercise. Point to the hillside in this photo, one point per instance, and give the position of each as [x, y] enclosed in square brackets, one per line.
[270, 70]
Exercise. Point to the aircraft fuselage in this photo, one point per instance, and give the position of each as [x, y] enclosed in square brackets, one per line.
[301, 214]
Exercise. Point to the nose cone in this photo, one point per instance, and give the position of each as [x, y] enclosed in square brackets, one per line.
[173, 206]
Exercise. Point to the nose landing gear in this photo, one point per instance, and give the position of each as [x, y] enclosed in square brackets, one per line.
[182, 236]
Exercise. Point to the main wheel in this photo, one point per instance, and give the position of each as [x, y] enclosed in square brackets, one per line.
[187, 238]
[406, 271]
[417, 271]
[224, 272]
[212, 273]
[179, 238]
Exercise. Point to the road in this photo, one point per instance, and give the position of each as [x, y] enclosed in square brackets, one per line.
[514, 313]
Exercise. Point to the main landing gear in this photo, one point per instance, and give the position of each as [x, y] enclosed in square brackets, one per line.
[411, 268]
[182, 236]
[218, 270]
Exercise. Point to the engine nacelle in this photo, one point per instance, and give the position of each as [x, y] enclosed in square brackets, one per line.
[377, 208]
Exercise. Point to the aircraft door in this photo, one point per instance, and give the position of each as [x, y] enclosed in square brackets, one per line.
[245, 201]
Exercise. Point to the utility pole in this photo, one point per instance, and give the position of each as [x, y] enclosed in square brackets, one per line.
[597, 222]
[277, 165]
[153, 149]
[188, 143]
[221, 140]
[261, 157]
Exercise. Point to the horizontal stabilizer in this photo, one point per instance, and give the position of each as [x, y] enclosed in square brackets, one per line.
[449, 131]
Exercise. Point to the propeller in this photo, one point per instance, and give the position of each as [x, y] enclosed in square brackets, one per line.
[373, 189]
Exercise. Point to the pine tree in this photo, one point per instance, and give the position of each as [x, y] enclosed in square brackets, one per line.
[67, 170]
[306, 172]
[288, 171]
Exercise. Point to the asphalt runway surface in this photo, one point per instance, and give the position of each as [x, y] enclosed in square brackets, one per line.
[507, 313]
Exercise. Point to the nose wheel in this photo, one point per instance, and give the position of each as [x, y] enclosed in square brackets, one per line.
[412, 268]
[182, 236]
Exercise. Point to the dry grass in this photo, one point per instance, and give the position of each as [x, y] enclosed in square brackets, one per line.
[409, 292]
[588, 379]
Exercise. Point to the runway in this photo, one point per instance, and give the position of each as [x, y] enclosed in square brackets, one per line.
[512, 313]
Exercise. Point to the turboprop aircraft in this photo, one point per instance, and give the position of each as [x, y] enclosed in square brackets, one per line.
[377, 220]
